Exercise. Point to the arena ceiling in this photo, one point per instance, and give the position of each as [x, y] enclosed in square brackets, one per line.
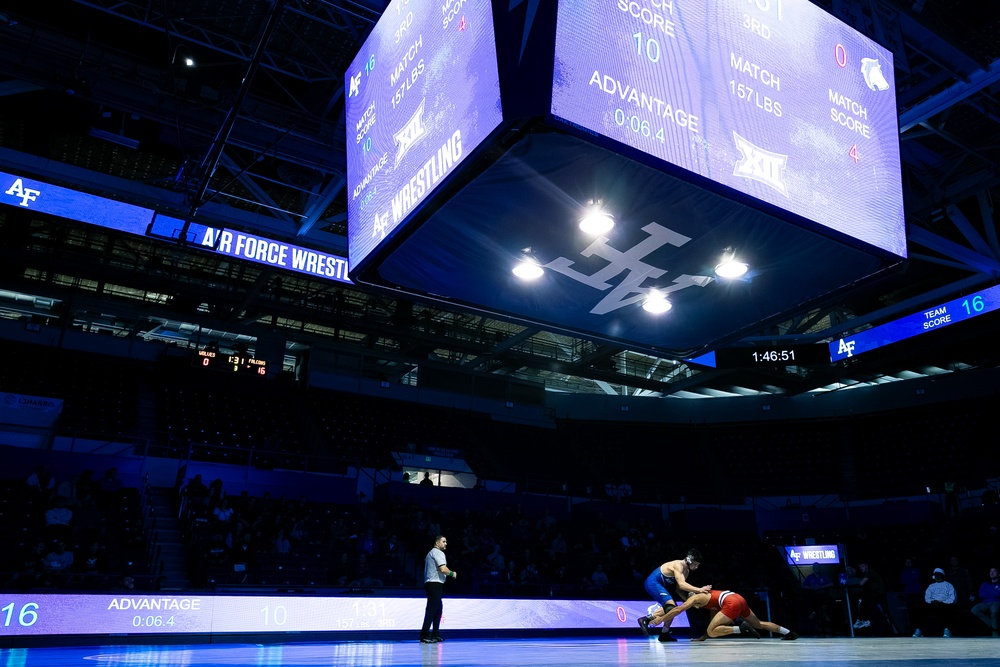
[95, 95]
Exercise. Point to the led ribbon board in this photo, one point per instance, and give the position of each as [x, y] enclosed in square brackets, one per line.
[74, 205]
[931, 319]
[775, 99]
[422, 93]
[820, 553]
[754, 357]
[253, 248]
[131, 219]
[65, 614]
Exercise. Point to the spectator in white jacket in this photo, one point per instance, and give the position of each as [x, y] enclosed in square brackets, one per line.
[938, 607]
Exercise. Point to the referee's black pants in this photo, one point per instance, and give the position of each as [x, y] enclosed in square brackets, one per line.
[432, 615]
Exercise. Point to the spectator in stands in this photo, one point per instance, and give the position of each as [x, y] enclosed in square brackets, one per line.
[959, 576]
[496, 560]
[418, 526]
[57, 521]
[282, 545]
[223, 513]
[433, 526]
[66, 492]
[297, 529]
[509, 577]
[241, 555]
[32, 566]
[950, 499]
[125, 584]
[913, 590]
[88, 520]
[852, 579]
[111, 482]
[558, 548]
[427, 481]
[390, 547]
[546, 523]
[871, 595]
[599, 578]
[133, 532]
[988, 608]
[195, 491]
[215, 493]
[363, 575]
[991, 545]
[634, 574]
[530, 576]
[92, 563]
[367, 544]
[59, 559]
[242, 503]
[817, 586]
[939, 605]
[852, 583]
[86, 485]
[41, 481]
[342, 571]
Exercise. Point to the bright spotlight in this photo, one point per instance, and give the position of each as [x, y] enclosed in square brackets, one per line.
[528, 269]
[596, 221]
[656, 303]
[730, 267]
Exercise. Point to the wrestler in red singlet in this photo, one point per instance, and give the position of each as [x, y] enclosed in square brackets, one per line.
[732, 605]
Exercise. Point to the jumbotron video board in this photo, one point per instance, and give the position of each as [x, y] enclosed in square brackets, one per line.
[764, 129]
[776, 99]
[421, 94]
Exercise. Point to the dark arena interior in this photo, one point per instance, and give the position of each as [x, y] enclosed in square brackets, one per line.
[267, 332]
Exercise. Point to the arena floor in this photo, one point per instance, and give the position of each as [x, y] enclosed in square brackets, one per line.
[576, 652]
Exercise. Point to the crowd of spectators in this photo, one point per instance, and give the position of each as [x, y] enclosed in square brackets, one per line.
[87, 532]
[76, 532]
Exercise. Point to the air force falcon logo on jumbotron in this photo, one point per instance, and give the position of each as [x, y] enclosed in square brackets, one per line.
[355, 86]
[760, 165]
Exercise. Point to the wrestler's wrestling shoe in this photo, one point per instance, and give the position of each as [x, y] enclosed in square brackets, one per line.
[644, 625]
[666, 637]
[790, 637]
[748, 630]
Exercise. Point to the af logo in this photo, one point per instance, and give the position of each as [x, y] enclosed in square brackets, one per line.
[26, 194]
[631, 289]
[411, 133]
[355, 86]
[380, 226]
[846, 347]
[760, 165]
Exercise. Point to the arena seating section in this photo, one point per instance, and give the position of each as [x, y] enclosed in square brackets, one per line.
[553, 478]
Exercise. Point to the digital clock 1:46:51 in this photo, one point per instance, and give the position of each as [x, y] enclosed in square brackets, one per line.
[774, 356]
